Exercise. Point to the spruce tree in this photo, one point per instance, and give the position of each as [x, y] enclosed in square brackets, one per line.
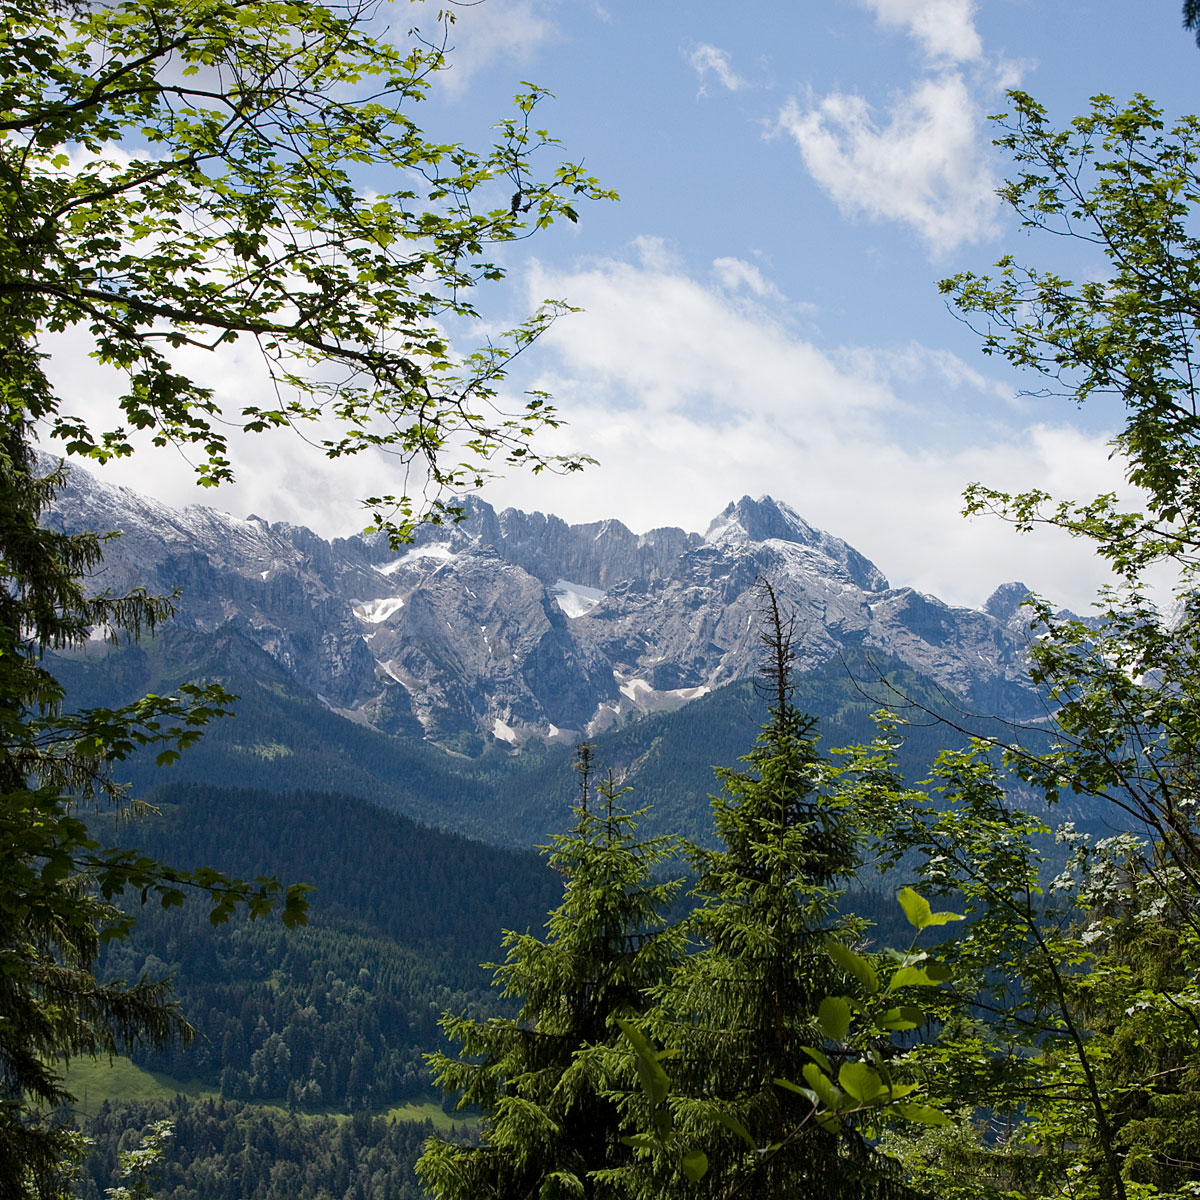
[542, 1078]
[55, 880]
[736, 1015]
[52, 1007]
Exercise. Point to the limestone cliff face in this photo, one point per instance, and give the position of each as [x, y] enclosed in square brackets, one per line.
[519, 625]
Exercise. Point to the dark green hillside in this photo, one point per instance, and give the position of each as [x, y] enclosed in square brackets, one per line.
[337, 1014]
[389, 874]
[228, 1151]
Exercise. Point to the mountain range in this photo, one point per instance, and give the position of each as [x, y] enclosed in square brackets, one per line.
[515, 626]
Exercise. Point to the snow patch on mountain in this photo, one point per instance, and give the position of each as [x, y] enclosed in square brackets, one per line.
[434, 550]
[575, 599]
[645, 697]
[376, 611]
[503, 732]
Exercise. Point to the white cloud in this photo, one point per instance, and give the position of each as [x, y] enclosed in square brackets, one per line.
[508, 31]
[706, 59]
[680, 348]
[735, 274]
[944, 28]
[923, 166]
[691, 397]
[924, 159]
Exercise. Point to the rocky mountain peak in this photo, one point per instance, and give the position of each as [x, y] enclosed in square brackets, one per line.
[1005, 602]
[748, 521]
[759, 521]
[595, 555]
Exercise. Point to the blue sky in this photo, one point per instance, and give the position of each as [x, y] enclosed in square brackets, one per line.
[761, 310]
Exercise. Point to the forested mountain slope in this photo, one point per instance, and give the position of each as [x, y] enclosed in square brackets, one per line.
[337, 1013]
[280, 738]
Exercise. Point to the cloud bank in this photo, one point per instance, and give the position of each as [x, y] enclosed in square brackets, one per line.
[693, 390]
[691, 395]
[924, 158]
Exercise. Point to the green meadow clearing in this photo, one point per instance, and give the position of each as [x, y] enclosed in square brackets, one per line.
[93, 1081]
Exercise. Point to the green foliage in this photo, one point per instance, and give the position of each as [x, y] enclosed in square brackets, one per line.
[183, 175]
[867, 1079]
[1120, 180]
[1066, 1040]
[867, 1086]
[1124, 683]
[187, 175]
[543, 1079]
[1083, 1026]
[138, 1164]
[224, 1150]
[1009, 1039]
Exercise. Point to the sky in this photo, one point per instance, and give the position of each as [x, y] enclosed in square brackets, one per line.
[760, 311]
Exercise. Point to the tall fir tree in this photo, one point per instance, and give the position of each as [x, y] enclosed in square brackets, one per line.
[55, 880]
[542, 1078]
[736, 1015]
[52, 1008]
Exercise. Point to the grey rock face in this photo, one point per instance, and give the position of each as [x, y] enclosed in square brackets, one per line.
[766, 520]
[518, 624]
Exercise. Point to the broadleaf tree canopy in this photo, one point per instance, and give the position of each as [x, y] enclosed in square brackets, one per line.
[176, 175]
[189, 174]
